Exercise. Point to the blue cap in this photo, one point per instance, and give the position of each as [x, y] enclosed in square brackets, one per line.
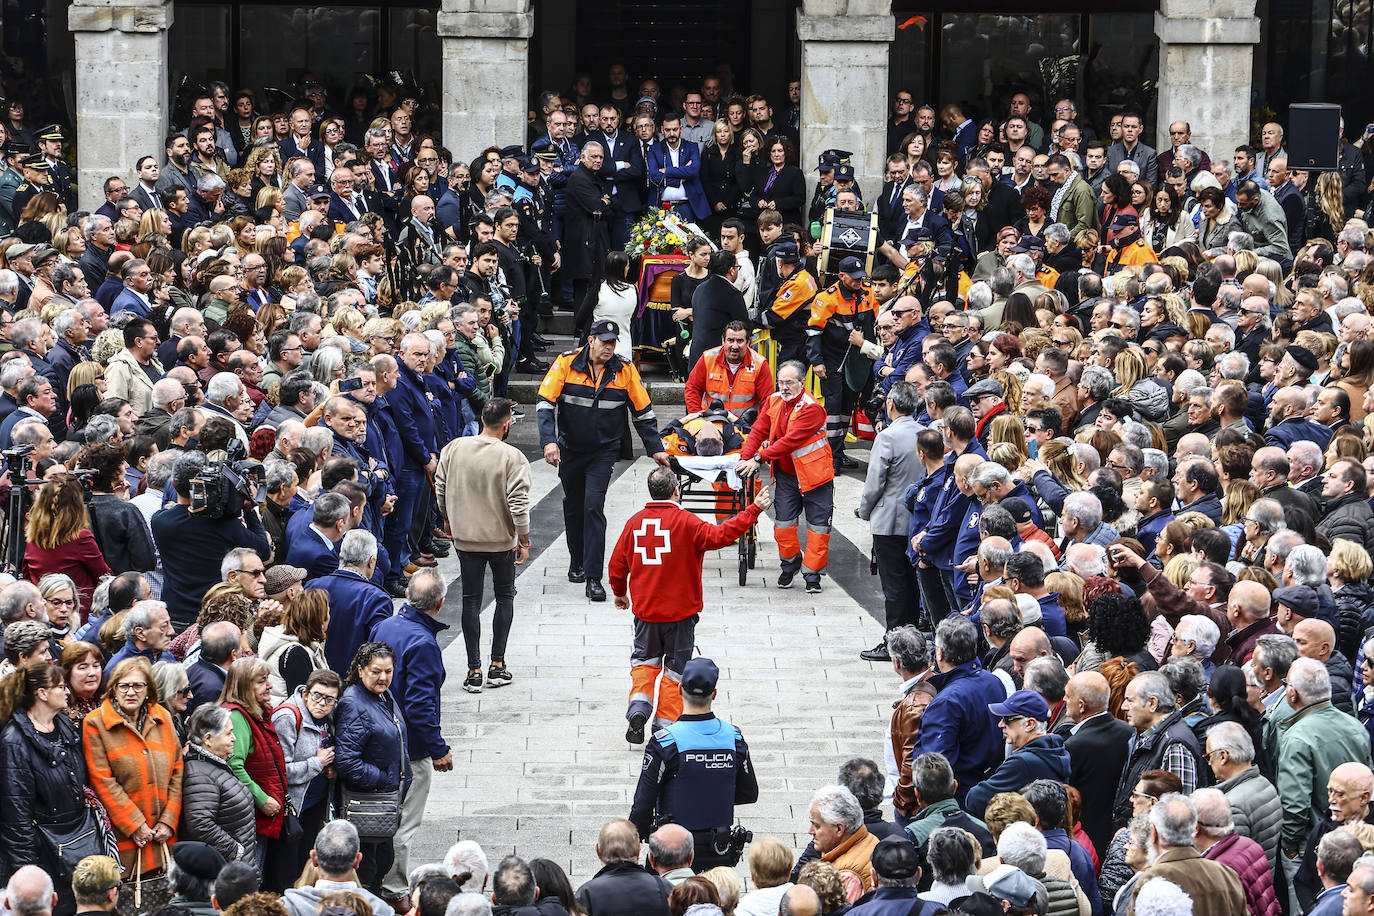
[699, 677]
[1026, 703]
[786, 252]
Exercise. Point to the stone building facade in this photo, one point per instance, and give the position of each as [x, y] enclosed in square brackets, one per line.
[122, 73]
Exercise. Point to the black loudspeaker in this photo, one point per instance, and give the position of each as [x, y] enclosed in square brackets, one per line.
[1314, 142]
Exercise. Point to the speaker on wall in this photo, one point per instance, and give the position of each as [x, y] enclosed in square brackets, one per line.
[1314, 142]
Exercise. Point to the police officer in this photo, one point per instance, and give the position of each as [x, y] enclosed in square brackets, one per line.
[845, 306]
[50, 145]
[789, 308]
[695, 771]
[36, 180]
[10, 180]
[586, 401]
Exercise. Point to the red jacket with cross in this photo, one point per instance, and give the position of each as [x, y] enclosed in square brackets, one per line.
[659, 555]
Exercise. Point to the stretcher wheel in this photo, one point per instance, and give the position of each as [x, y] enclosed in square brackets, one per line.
[753, 547]
[744, 565]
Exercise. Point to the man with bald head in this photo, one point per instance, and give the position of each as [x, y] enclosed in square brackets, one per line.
[1000, 621]
[1248, 611]
[1317, 639]
[1026, 646]
[800, 900]
[1288, 421]
[671, 852]
[1348, 791]
[1098, 747]
[622, 887]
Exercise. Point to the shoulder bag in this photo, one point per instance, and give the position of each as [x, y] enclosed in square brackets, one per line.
[376, 815]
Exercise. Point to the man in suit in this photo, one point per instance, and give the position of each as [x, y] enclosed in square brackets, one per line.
[918, 216]
[314, 547]
[116, 189]
[1003, 207]
[1098, 747]
[961, 126]
[145, 190]
[674, 171]
[300, 143]
[345, 204]
[624, 168]
[892, 467]
[296, 194]
[889, 202]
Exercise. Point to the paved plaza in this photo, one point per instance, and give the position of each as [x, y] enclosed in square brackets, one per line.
[540, 765]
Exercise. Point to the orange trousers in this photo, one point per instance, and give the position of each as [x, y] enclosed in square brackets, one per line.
[661, 651]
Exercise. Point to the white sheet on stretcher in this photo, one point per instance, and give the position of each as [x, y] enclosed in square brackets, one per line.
[707, 468]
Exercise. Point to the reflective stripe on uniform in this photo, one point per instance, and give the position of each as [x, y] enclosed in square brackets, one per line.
[808, 449]
[818, 529]
[580, 401]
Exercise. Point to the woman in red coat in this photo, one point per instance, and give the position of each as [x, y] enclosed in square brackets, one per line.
[258, 760]
[60, 540]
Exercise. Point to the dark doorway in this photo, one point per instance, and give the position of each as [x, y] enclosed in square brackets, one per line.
[671, 42]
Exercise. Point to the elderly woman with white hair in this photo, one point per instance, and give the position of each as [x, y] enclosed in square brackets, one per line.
[1196, 636]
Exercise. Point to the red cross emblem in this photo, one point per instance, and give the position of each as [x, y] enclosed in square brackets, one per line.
[652, 545]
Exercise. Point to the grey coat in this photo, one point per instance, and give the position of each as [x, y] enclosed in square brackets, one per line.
[1256, 809]
[892, 467]
[299, 745]
[216, 808]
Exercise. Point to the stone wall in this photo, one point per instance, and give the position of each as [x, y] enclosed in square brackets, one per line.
[1206, 63]
[121, 88]
[485, 72]
[844, 82]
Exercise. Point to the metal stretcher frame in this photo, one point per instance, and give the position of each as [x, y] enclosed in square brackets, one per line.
[700, 496]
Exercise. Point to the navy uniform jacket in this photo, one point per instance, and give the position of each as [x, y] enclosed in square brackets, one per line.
[419, 677]
[307, 548]
[920, 499]
[411, 406]
[355, 607]
[695, 771]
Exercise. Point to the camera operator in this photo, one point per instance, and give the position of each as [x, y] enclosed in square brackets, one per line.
[192, 544]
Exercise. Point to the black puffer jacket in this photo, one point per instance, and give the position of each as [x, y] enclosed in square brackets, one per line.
[44, 782]
[1354, 615]
[1351, 518]
[1342, 682]
[216, 808]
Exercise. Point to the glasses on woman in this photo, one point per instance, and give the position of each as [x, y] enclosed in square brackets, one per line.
[131, 687]
[62, 602]
[321, 698]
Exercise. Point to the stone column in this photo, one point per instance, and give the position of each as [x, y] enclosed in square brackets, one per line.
[121, 87]
[1206, 59]
[486, 72]
[844, 67]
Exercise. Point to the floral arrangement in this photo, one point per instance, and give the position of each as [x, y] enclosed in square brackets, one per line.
[661, 232]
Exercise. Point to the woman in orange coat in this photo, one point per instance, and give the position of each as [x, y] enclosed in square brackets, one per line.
[135, 765]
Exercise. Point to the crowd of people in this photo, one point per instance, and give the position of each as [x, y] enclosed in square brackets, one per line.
[1119, 492]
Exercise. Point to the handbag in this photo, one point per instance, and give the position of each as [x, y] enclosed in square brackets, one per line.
[376, 815]
[68, 845]
[291, 829]
[146, 893]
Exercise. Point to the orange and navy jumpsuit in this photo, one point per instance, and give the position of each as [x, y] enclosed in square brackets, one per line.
[787, 315]
[584, 411]
[803, 477]
[835, 313]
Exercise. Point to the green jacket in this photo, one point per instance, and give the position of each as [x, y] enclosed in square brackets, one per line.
[473, 364]
[1312, 742]
[1078, 209]
[930, 819]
